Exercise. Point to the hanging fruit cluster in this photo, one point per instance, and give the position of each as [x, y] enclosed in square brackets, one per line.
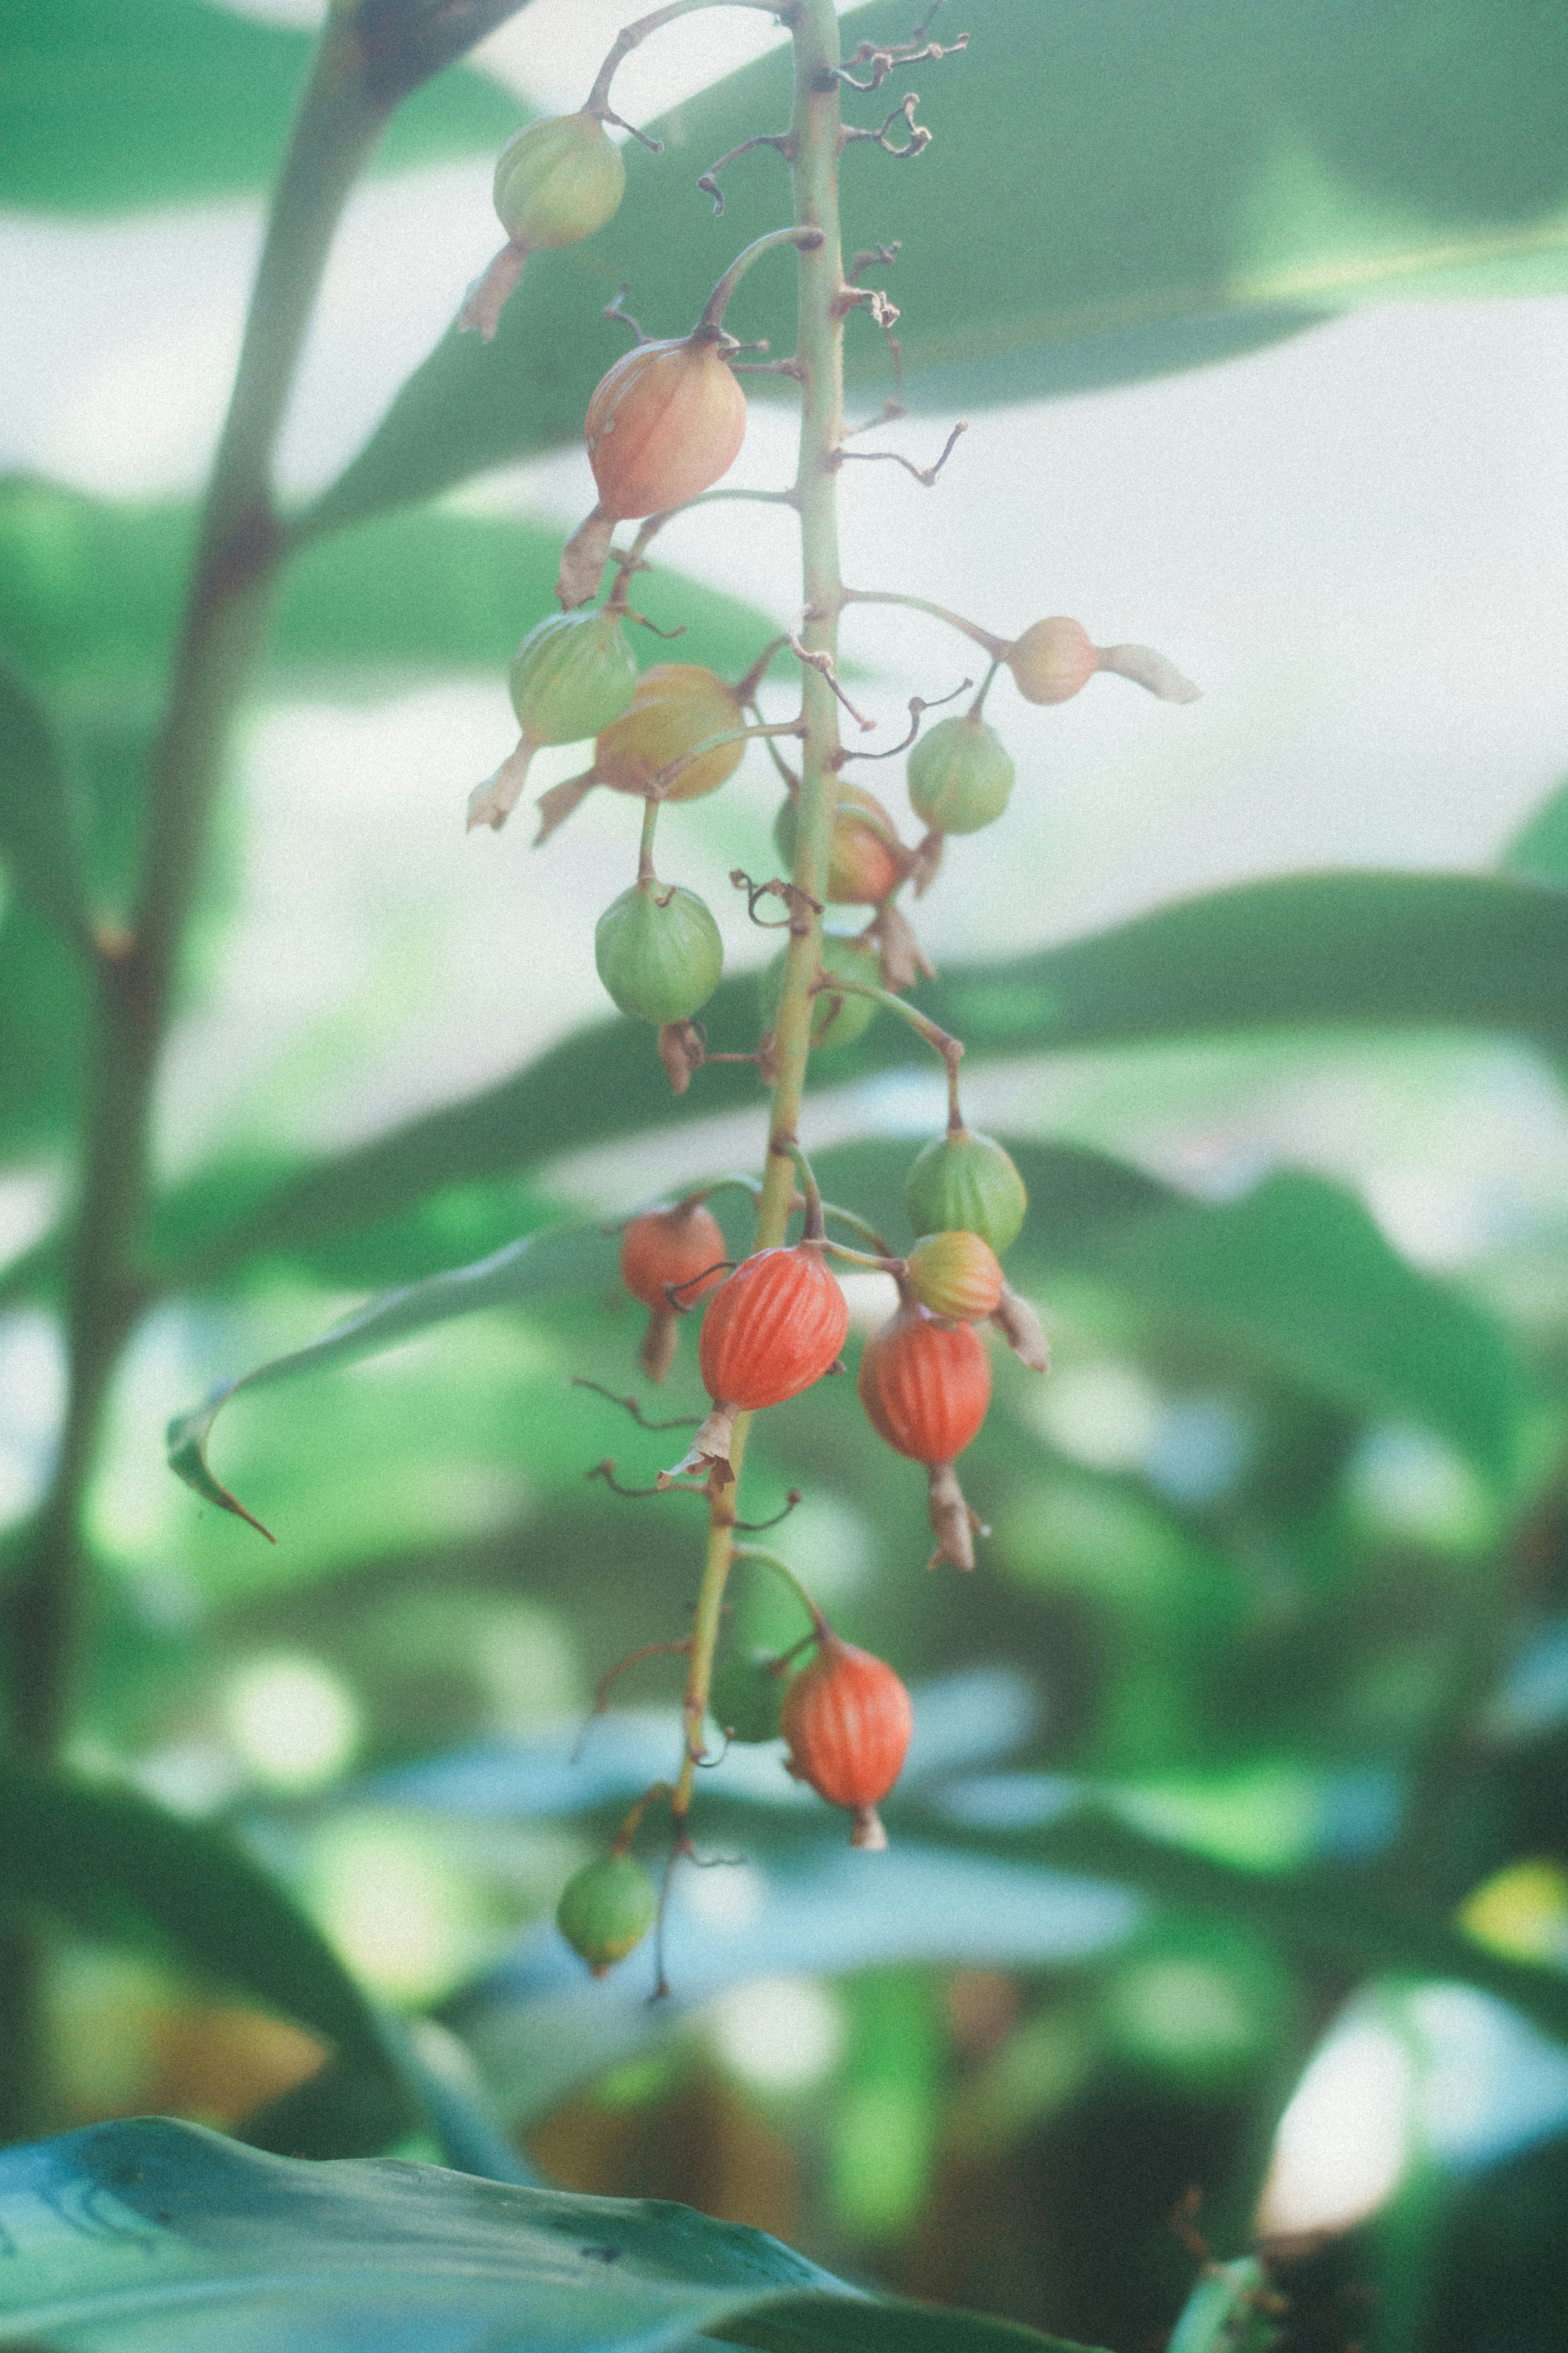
[663, 427]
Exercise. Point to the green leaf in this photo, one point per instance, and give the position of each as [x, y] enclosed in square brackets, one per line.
[107, 1859]
[150, 2229]
[98, 1854]
[1298, 1277]
[1199, 180]
[43, 1033]
[90, 594]
[1351, 950]
[1539, 851]
[39, 839]
[537, 1267]
[112, 104]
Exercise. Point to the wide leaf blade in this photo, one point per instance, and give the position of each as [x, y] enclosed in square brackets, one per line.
[146, 2233]
[107, 105]
[1110, 193]
[1349, 950]
[538, 1266]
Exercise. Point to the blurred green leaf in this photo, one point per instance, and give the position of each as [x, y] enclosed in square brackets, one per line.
[39, 839]
[567, 1258]
[107, 105]
[1364, 950]
[43, 1030]
[1199, 180]
[1298, 1277]
[100, 1856]
[1540, 848]
[90, 594]
[167, 2225]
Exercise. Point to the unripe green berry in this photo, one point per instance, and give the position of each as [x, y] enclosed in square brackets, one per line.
[835, 1021]
[606, 1909]
[558, 180]
[745, 1695]
[960, 776]
[572, 675]
[966, 1182]
[658, 951]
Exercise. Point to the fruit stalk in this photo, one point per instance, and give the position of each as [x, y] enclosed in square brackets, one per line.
[815, 126]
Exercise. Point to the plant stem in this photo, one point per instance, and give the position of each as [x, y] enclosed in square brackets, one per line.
[225, 612]
[997, 647]
[718, 302]
[819, 348]
[951, 1049]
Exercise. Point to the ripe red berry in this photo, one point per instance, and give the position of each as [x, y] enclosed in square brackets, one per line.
[774, 1328]
[866, 859]
[925, 1386]
[675, 1246]
[847, 1720]
[663, 424]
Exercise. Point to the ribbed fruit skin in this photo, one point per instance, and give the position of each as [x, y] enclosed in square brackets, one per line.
[847, 1720]
[960, 776]
[663, 424]
[864, 861]
[925, 1386]
[571, 676]
[658, 951]
[956, 1274]
[1052, 661]
[772, 1329]
[674, 707]
[966, 1182]
[671, 1246]
[830, 1027]
[606, 1909]
[558, 180]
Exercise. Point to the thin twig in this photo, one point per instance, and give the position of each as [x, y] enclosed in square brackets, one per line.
[709, 183]
[919, 136]
[607, 1471]
[925, 475]
[682, 1421]
[760, 1527]
[918, 707]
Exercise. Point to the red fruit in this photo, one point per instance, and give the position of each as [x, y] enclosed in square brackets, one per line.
[865, 859]
[847, 1720]
[774, 1327]
[673, 1246]
[925, 1386]
[663, 424]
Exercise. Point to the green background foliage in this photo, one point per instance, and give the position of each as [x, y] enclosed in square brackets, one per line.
[1255, 1707]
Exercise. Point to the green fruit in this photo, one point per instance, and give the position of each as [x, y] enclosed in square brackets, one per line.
[966, 1182]
[606, 1909]
[835, 1021]
[658, 951]
[559, 180]
[571, 676]
[745, 1695]
[960, 776]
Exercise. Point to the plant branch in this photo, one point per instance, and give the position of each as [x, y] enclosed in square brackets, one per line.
[807, 238]
[237, 550]
[997, 647]
[815, 126]
[951, 1049]
[631, 37]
